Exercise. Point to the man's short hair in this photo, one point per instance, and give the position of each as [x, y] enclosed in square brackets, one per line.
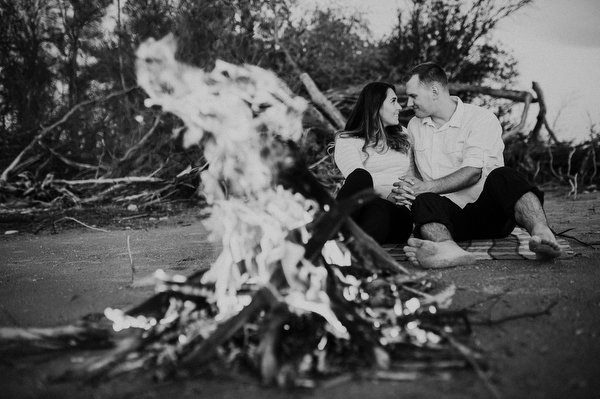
[428, 72]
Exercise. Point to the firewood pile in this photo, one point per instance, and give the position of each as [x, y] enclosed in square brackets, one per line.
[299, 295]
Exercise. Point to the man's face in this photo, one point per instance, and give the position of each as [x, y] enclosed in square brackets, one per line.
[420, 97]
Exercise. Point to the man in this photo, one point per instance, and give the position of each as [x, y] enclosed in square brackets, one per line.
[466, 192]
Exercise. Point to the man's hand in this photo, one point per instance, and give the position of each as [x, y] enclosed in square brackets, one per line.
[406, 190]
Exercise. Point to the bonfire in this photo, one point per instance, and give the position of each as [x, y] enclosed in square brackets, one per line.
[299, 294]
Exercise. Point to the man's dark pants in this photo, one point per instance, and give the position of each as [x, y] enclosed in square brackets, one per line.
[492, 215]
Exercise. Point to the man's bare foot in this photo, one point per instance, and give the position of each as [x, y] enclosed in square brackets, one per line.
[437, 255]
[544, 247]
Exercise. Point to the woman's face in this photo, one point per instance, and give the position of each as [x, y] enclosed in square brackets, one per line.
[390, 109]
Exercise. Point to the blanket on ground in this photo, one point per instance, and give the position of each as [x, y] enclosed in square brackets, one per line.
[515, 246]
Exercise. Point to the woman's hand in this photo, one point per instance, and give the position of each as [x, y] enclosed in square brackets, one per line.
[406, 190]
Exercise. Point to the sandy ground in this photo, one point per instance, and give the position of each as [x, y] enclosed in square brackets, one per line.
[55, 279]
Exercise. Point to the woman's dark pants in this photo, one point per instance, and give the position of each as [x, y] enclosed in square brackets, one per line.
[385, 222]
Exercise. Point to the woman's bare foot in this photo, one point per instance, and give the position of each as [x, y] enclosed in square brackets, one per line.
[437, 255]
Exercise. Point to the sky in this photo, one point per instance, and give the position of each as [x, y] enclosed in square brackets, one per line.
[556, 43]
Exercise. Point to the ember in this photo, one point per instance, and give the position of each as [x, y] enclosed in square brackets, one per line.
[299, 295]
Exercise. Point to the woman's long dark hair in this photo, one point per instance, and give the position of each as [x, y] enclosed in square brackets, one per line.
[365, 123]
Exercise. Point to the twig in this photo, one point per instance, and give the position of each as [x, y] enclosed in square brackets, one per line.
[551, 164]
[320, 161]
[545, 311]
[489, 298]
[587, 244]
[136, 147]
[81, 223]
[265, 298]
[76, 164]
[103, 193]
[593, 153]
[10, 317]
[130, 179]
[130, 260]
[550, 131]
[141, 215]
[470, 358]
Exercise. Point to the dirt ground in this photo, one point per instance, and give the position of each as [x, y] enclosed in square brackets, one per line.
[54, 271]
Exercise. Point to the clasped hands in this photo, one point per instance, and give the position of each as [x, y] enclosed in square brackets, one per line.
[406, 190]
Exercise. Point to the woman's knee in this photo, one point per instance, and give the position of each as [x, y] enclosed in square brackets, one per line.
[356, 181]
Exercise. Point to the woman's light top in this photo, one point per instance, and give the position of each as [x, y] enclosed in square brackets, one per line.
[385, 166]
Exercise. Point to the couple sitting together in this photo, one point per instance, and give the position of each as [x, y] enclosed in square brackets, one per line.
[442, 179]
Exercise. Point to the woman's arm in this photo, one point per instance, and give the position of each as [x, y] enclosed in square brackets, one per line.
[348, 155]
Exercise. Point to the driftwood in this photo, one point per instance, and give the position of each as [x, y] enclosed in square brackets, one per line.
[541, 119]
[345, 98]
[515, 95]
[319, 99]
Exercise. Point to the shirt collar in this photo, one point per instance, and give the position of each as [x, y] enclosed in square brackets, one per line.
[456, 117]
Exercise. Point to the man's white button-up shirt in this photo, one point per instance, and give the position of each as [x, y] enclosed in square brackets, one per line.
[472, 137]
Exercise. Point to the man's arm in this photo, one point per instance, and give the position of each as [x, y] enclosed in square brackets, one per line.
[407, 189]
[456, 181]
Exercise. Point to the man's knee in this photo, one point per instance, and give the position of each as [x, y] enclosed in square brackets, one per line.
[504, 174]
[504, 180]
[427, 201]
[429, 207]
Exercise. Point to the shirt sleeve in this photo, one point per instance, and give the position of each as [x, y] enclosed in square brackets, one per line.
[482, 141]
[348, 155]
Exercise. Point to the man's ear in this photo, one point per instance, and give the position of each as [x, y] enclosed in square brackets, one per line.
[435, 90]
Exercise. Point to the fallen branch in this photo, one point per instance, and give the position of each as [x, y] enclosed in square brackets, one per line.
[81, 223]
[535, 133]
[550, 130]
[543, 312]
[130, 179]
[15, 338]
[587, 244]
[515, 95]
[102, 194]
[471, 358]
[78, 165]
[265, 298]
[46, 130]
[322, 102]
[528, 98]
[139, 145]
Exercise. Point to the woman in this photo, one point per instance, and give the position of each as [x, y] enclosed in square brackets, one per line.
[373, 152]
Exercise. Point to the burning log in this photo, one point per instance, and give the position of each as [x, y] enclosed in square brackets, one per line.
[298, 291]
